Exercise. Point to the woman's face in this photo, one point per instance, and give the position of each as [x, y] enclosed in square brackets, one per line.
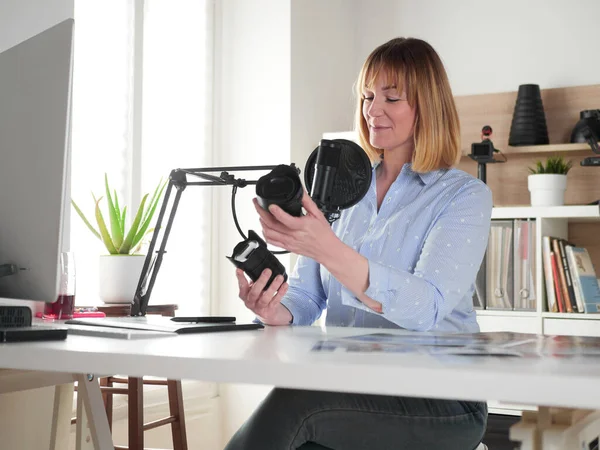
[389, 117]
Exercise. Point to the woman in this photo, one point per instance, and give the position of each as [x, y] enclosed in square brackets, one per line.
[406, 256]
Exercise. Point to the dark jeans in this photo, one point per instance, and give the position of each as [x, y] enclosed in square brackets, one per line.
[289, 418]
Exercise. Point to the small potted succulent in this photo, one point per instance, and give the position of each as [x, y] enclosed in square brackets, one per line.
[120, 269]
[547, 181]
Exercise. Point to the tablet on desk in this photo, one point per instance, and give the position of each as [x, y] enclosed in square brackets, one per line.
[160, 323]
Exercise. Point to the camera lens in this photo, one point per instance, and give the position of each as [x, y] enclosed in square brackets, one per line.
[253, 257]
[281, 187]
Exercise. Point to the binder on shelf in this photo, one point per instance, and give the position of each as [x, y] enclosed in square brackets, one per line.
[524, 296]
[499, 266]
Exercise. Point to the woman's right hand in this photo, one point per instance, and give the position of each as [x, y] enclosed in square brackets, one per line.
[265, 303]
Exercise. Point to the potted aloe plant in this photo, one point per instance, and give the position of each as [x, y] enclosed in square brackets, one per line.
[547, 181]
[120, 269]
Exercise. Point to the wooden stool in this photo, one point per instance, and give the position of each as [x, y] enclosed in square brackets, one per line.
[135, 405]
[135, 392]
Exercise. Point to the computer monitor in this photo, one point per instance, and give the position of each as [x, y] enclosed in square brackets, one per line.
[35, 112]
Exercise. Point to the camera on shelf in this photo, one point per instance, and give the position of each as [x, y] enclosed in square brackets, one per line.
[483, 152]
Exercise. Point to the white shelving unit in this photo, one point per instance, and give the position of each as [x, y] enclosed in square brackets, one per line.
[550, 221]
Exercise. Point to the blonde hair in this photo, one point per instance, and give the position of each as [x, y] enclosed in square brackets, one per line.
[413, 64]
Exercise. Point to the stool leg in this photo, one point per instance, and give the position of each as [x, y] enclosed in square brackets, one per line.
[176, 409]
[136, 413]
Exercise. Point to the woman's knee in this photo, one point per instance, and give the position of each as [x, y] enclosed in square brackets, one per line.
[275, 424]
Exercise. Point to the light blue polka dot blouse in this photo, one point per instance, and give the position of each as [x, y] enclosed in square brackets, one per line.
[424, 247]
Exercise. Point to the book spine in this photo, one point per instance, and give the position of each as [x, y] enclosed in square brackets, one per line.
[564, 293]
[557, 288]
[568, 280]
[575, 278]
[548, 276]
[587, 280]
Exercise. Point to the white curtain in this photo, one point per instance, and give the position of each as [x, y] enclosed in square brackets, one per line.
[166, 61]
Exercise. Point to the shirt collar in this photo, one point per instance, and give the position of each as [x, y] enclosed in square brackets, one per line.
[430, 177]
[426, 177]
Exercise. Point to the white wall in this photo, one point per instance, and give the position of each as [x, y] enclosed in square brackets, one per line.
[252, 120]
[492, 46]
[322, 72]
[25, 419]
[252, 127]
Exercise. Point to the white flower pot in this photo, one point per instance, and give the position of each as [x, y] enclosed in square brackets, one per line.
[547, 189]
[119, 276]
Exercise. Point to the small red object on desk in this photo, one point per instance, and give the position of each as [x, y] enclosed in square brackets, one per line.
[76, 315]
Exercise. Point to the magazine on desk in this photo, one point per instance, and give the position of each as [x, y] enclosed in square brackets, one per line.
[484, 344]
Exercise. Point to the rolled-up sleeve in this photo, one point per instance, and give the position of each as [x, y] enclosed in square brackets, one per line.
[446, 269]
[305, 298]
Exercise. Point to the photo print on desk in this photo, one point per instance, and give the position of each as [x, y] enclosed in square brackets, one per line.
[476, 344]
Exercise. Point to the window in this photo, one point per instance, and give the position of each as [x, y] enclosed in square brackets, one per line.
[141, 107]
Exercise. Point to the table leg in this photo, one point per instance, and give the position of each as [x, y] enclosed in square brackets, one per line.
[92, 425]
[61, 416]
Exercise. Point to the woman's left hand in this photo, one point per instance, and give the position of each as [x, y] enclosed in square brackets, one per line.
[309, 235]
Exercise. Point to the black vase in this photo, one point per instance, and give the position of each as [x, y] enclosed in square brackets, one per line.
[528, 125]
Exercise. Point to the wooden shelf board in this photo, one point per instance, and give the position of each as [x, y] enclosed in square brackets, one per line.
[535, 149]
[571, 316]
[573, 212]
[510, 150]
[505, 313]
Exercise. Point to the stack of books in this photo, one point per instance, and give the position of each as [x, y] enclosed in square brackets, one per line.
[570, 278]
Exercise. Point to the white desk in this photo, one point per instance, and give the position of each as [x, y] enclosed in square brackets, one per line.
[282, 356]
